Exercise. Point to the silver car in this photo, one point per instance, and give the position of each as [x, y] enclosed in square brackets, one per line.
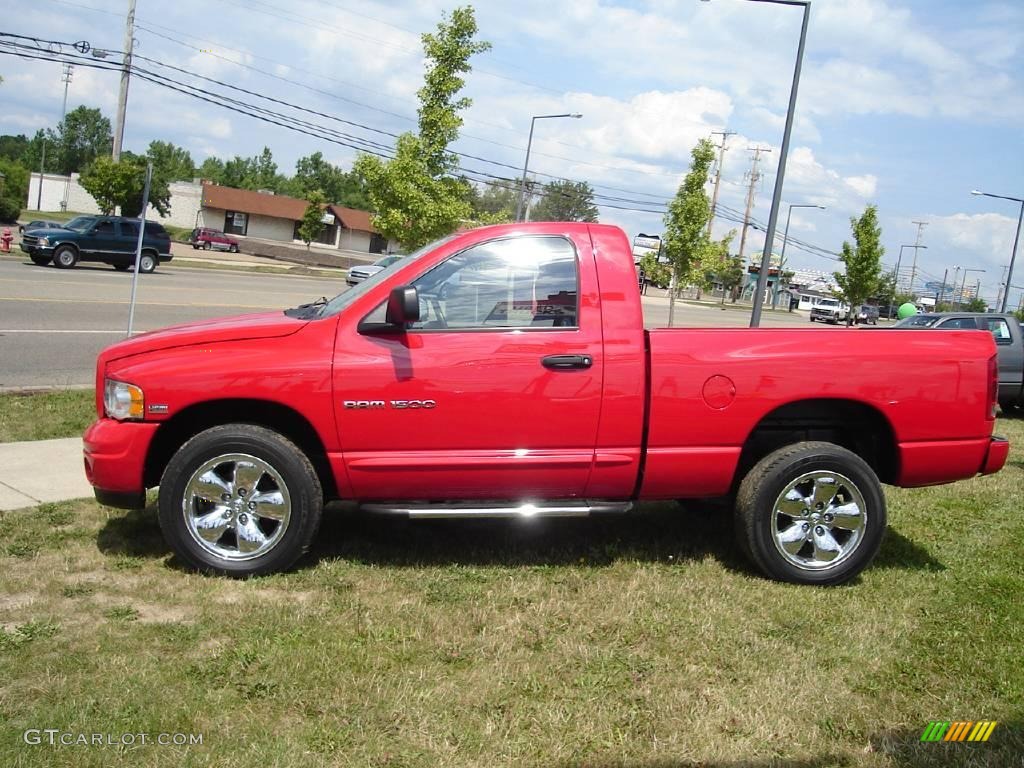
[358, 274]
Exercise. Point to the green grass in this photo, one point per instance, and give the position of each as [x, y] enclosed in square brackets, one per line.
[640, 640]
[45, 415]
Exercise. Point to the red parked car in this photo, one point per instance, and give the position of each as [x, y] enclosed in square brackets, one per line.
[506, 372]
[206, 238]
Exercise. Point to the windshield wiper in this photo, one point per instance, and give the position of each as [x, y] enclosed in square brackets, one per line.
[304, 311]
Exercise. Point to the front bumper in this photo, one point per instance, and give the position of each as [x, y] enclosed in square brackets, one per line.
[115, 460]
[36, 250]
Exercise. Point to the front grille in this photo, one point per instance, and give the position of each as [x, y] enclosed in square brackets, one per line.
[29, 240]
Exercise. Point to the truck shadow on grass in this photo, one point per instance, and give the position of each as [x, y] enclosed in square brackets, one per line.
[665, 533]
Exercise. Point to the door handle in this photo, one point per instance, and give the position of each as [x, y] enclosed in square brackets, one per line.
[567, 362]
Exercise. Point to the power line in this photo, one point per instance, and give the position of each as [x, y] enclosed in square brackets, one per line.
[56, 52]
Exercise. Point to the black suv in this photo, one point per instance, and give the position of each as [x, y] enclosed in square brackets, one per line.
[108, 239]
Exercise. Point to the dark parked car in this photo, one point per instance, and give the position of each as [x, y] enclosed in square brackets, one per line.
[39, 224]
[108, 239]
[206, 238]
[1006, 331]
[867, 315]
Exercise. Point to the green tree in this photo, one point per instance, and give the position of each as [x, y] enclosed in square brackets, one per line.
[313, 219]
[723, 268]
[655, 272]
[13, 147]
[122, 183]
[415, 196]
[170, 162]
[314, 173]
[33, 155]
[686, 241]
[564, 200]
[237, 172]
[13, 189]
[976, 304]
[212, 169]
[862, 275]
[264, 171]
[83, 136]
[493, 202]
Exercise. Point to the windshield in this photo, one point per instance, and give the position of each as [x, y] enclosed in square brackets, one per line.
[343, 300]
[80, 223]
[917, 321]
[830, 303]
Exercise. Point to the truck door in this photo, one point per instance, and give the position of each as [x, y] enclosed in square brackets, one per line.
[494, 394]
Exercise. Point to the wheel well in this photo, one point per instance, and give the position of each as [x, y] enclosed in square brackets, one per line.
[858, 427]
[174, 432]
[72, 246]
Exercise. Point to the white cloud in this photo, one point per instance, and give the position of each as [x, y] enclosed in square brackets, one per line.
[864, 186]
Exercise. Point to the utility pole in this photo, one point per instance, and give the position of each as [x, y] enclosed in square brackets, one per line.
[755, 176]
[42, 170]
[122, 98]
[917, 245]
[718, 173]
[66, 74]
[1002, 285]
[942, 290]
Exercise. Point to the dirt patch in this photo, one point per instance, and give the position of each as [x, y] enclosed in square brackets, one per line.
[16, 601]
[163, 614]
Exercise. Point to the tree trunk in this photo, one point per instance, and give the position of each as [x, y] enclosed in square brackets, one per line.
[672, 297]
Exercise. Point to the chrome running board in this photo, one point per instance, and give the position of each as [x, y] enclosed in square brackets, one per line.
[499, 509]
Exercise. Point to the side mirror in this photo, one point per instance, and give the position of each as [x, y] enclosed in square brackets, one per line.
[403, 306]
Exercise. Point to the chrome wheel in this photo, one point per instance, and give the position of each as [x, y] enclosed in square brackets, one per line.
[236, 506]
[819, 520]
[147, 263]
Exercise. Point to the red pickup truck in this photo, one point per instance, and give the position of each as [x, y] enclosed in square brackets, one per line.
[506, 372]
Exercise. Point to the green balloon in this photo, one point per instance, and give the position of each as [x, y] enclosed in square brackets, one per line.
[906, 310]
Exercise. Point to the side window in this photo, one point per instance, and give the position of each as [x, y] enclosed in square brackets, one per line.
[105, 228]
[520, 282]
[1000, 329]
[154, 230]
[129, 229]
[961, 323]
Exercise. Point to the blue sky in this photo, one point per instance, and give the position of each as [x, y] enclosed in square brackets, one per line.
[908, 105]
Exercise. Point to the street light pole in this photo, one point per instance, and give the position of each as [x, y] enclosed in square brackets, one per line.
[1016, 240]
[773, 217]
[526, 165]
[785, 239]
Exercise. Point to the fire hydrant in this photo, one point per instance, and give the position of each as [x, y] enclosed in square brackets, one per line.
[5, 240]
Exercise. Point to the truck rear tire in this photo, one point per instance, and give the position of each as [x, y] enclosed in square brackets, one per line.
[240, 500]
[811, 513]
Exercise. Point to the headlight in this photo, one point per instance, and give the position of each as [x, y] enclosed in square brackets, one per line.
[122, 401]
[43, 241]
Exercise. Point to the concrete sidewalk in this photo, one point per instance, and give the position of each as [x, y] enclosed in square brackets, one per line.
[42, 470]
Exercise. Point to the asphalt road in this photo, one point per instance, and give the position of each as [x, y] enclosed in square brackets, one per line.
[54, 322]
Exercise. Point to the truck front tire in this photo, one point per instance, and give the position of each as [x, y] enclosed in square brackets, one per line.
[65, 257]
[240, 500]
[811, 513]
